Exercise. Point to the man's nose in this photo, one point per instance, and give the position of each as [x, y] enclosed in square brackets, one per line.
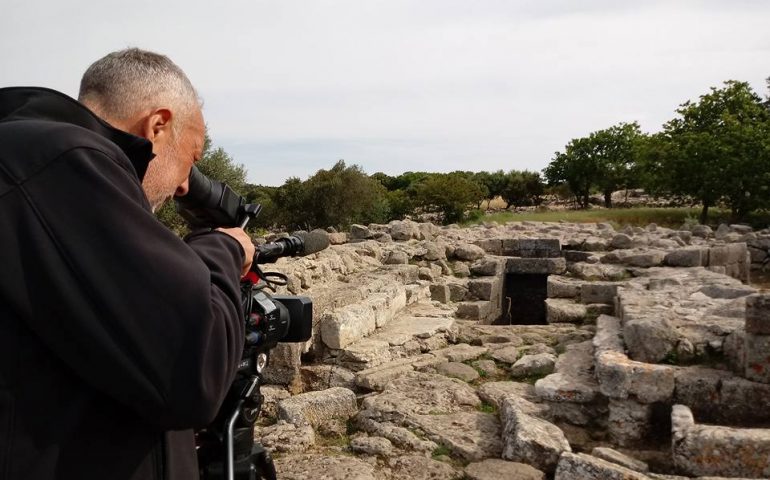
[182, 189]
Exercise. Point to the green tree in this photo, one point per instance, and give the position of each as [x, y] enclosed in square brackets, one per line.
[716, 150]
[604, 160]
[578, 167]
[522, 188]
[336, 197]
[290, 200]
[615, 150]
[449, 194]
[495, 183]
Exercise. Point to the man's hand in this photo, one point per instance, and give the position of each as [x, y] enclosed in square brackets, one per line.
[246, 243]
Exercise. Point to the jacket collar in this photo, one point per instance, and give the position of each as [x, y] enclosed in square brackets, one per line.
[36, 103]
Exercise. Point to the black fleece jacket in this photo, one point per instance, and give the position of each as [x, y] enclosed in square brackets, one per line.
[116, 337]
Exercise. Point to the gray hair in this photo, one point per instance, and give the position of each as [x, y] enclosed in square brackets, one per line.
[122, 83]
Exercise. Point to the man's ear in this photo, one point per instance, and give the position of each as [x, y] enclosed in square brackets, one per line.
[156, 126]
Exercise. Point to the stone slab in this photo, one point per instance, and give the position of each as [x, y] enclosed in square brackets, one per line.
[758, 314]
[532, 247]
[314, 408]
[541, 266]
[573, 466]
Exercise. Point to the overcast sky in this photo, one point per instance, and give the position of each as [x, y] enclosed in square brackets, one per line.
[396, 85]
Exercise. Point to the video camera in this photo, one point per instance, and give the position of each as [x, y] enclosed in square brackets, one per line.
[226, 447]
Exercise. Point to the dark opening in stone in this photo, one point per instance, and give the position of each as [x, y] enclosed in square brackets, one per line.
[523, 301]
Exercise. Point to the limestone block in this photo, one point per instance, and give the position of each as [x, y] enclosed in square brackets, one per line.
[493, 246]
[468, 252]
[485, 288]
[494, 392]
[559, 310]
[576, 255]
[531, 247]
[360, 232]
[685, 235]
[477, 310]
[722, 230]
[439, 293]
[758, 314]
[595, 244]
[461, 352]
[399, 436]
[346, 325]
[321, 377]
[598, 292]
[621, 459]
[629, 421]
[620, 241]
[496, 469]
[397, 257]
[594, 310]
[700, 388]
[334, 467]
[726, 291]
[530, 440]
[740, 401]
[608, 336]
[723, 255]
[687, 257]
[534, 365]
[587, 467]
[314, 408]
[558, 286]
[434, 251]
[338, 238]
[508, 354]
[486, 267]
[403, 230]
[425, 273]
[418, 467]
[457, 292]
[542, 266]
[376, 378]
[757, 255]
[620, 378]
[647, 259]
[472, 436]
[460, 269]
[757, 351]
[734, 349]
[561, 387]
[588, 271]
[464, 372]
[286, 437]
[378, 446]
[702, 231]
[649, 339]
[365, 353]
[701, 450]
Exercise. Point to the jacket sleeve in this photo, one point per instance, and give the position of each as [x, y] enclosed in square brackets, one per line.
[133, 310]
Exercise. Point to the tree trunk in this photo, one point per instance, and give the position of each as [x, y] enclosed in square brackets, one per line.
[704, 214]
[608, 199]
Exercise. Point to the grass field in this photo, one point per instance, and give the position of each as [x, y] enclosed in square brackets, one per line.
[620, 217]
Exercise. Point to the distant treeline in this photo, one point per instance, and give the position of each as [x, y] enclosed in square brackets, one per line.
[716, 151]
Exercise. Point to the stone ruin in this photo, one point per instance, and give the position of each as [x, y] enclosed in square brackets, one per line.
[526, 351]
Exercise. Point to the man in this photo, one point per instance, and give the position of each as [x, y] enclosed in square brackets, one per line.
[116, 337]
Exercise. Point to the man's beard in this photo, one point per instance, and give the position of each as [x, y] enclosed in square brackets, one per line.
[156, 190]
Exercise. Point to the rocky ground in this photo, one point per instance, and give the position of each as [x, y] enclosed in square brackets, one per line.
[644, 346]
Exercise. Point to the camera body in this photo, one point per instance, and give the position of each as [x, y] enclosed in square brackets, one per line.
[226, 448]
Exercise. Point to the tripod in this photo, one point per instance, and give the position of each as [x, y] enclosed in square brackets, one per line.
[226, 448]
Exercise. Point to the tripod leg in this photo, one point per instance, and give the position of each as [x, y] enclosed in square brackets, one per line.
[264, 462]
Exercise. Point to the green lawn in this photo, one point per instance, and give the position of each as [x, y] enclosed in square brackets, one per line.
[619, 217]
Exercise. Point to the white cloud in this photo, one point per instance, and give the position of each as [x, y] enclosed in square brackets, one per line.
[406, 84]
